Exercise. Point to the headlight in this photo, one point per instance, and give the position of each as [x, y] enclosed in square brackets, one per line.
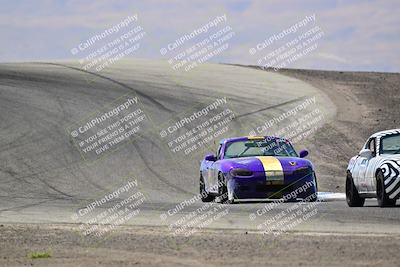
[240, 172]
[303, 171]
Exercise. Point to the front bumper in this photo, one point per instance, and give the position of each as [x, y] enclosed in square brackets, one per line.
[258, 187]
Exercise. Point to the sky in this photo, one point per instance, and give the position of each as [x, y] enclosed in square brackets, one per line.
[357, 35]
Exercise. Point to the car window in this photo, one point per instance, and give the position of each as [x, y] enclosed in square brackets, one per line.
[219, 152]
[390, 144]
[371, 146]
[252, 148]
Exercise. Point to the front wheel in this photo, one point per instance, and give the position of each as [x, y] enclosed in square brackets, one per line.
[312, 194]
[353, 199]
[383, 198]
[223, 189]
[205, 196]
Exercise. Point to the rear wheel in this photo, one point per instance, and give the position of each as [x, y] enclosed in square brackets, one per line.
[205, 196]
[383, 198]
[352, 197]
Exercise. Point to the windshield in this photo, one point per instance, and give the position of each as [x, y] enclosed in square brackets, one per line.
[390, 144]
[266, 147]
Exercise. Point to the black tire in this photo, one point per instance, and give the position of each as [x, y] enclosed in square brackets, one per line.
[314, 196]
[223, 189]
[353, 199]
[205, 196]
[382, 197]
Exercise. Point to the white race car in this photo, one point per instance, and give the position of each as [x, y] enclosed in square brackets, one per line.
[375, 171]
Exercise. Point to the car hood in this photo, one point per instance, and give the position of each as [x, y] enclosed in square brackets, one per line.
[268, 163]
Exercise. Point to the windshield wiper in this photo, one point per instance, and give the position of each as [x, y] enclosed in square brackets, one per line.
[244, 151]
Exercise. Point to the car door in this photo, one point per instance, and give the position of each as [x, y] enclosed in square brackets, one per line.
[355, 172]
[212, 172]
[364, 164]
[369, 175]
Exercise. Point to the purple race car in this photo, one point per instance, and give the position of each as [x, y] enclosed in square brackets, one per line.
[257, 168]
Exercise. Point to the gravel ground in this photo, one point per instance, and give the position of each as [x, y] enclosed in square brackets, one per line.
[156, 246]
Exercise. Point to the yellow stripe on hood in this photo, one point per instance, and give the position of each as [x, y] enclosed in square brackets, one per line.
[272, 168]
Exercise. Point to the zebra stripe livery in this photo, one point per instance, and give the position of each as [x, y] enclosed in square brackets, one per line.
[373, 158]
[391, 171]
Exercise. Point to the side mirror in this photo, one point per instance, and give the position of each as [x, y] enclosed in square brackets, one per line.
[303, 153]
[210, 157]
[366, 153]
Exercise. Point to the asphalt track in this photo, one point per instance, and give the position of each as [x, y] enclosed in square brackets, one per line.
[44, 179]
